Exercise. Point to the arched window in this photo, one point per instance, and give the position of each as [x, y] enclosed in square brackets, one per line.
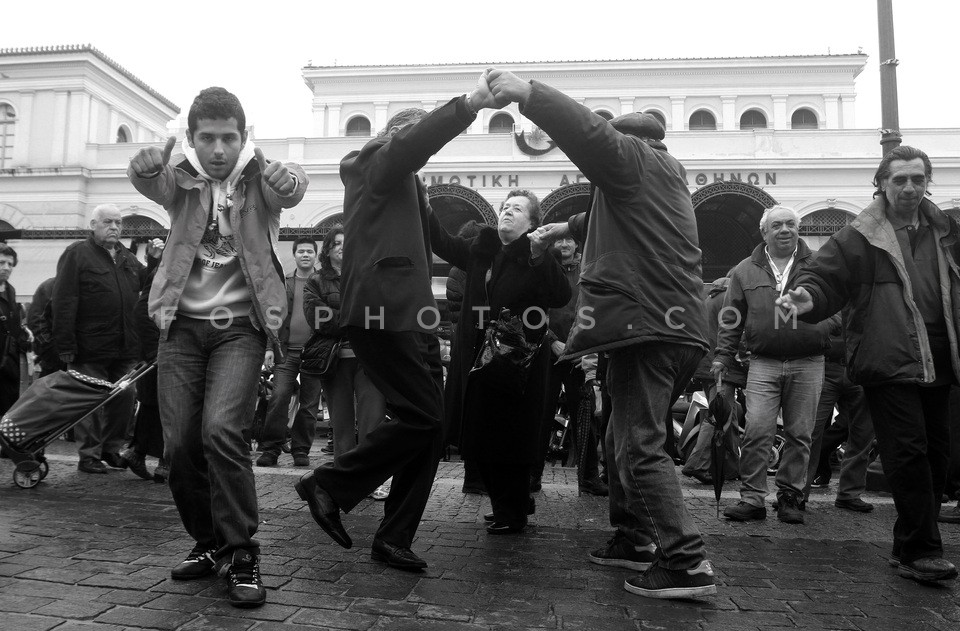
[604, 114]
[804, 118]
[753, 119]
[501, 124]
[8, 128]
[701, 120]
[657, 115]
[122, 135]
[358, 126]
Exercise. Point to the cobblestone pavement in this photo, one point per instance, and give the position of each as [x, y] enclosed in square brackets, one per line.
[93, 552]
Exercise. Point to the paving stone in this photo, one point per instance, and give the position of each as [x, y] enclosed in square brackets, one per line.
[335, 619]
[150, 618]
[74, 609]
[217, 623]
[23, 622]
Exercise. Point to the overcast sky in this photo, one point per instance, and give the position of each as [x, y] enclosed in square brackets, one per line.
[257, 50]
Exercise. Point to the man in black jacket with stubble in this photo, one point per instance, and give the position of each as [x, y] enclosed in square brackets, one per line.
[388, 312]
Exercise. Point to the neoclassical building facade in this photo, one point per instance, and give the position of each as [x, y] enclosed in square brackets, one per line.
[750, 131]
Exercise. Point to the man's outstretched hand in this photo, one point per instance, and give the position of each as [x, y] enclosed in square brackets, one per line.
[151, 160]
[508, 87]
[796, 301]
[276, 175]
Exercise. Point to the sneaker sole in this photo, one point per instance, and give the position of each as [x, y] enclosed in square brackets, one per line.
[672, 592]
[192, 577]
[909, 572]
[630, 565]
[248, 604]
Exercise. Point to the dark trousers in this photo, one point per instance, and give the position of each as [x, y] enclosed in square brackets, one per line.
[405, 367]
[570, 377]
[148, 430]
[508, 485]
[953, 472]
[912, 427]
[853, 425]
[305, 421]
[105, 431]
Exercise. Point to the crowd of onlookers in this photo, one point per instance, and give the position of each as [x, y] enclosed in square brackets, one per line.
[607, 306]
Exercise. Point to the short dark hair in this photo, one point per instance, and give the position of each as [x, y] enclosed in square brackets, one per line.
[216, 103]
[6, 250]
[402, 119]
[302, 240]
[536, 216]
[905, 153]
[328, 240]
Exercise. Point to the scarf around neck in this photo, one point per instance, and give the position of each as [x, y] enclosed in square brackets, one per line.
[221, 190]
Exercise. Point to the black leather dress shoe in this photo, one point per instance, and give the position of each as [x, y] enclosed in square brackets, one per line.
[324, 510]
[395, 556]
[531, 509]
[114, 460]
[854, 504]
[497, 528]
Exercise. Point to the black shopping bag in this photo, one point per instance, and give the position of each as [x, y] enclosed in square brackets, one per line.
[50, 406]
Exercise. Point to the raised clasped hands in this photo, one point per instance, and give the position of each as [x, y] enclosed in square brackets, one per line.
[150, 160]
[796, 301]
[155, 248]
[507, 87]
[276, 175]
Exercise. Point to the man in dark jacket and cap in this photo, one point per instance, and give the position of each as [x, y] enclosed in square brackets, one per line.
[640, 303]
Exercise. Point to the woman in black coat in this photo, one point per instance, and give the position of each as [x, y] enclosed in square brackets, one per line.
[505, 269]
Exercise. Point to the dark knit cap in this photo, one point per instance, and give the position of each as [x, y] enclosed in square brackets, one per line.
[639, 124]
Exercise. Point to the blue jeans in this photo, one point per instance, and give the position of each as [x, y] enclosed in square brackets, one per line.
[305, 422]
[848, 397]
[105, 431]
[792, 386]
[645, 498]
[207, 386]
[356, 406]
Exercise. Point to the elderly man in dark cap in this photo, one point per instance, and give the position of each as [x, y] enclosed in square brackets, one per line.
[639, 303]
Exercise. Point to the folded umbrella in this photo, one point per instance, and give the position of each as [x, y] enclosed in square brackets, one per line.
[722, 414]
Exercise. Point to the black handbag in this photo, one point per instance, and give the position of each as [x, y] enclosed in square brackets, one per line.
[505, 356]
[320, 355]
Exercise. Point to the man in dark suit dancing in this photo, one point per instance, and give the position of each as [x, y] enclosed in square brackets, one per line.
[389, 313]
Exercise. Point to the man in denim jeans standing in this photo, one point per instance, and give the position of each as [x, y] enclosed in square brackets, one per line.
[640, 303]
[218, 298]
[786, 367]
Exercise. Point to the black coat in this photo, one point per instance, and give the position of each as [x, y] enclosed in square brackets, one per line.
[387, 265]
[93, 303]
[499, 428]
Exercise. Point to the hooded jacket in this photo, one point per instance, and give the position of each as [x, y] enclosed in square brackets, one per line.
[862, 268]
[255, 216]
[640, 267]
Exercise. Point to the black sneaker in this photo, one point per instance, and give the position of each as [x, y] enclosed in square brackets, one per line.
[199, 563]
[621, 552]
[788, 509]
[659, 582]
[244, 587]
